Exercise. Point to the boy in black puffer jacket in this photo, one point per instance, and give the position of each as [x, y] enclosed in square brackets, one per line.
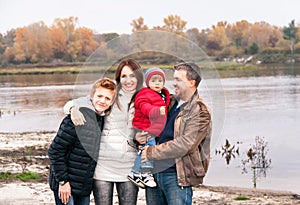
[74, 151]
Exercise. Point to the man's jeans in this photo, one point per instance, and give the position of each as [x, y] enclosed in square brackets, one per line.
[73, 200]
[139, 166]
[167, 191]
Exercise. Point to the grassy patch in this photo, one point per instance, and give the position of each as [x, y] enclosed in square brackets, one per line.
[25, 176]
[241, 198]
[220, 66]
[66, 69]
[5, 176]
[228, 66]
[52, 70]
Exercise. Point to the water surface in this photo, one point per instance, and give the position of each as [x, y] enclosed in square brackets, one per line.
[257, 104]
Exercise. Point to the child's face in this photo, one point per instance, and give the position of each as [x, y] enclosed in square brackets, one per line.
[156, 83]
[102, 99]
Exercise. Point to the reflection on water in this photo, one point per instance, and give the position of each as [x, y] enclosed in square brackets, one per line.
[228, 151]
[257, 157]
[257, 160]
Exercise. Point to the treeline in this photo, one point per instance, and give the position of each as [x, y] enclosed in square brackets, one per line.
[64, 42]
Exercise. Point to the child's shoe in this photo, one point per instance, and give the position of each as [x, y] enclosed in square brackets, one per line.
[148, 180]
[137, 180]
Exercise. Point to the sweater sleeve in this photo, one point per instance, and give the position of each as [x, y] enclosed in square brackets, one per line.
[60, 148]
[68, 106]
[79, 102]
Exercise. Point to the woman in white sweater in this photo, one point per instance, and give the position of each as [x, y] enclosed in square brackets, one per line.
[116, 155]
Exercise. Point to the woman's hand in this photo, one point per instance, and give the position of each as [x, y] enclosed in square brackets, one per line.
[142, 137]
[76, 116]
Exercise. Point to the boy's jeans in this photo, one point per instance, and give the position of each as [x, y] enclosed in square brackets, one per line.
[73, 200]
[139, 166]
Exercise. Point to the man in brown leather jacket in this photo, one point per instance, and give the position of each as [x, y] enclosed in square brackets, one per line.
[182, 152]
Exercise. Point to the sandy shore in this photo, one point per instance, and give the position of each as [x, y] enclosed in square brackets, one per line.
[27, 151]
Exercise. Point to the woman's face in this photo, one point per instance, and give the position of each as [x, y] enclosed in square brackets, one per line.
[128, 80]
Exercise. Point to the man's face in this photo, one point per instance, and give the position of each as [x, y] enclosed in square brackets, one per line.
[102, 99]
[181, 84]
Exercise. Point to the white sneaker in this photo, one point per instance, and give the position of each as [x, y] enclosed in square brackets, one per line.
[148, 180]
[137, 180]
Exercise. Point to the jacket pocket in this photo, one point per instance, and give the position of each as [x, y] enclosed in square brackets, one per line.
[196, 164]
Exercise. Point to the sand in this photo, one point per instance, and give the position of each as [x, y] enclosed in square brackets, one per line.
[28, 152]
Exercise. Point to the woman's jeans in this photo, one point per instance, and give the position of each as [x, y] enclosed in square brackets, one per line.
[73, 200]
[103, 192]
[167, 191]
[139, 166]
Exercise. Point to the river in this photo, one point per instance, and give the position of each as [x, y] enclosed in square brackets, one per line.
[264, 105]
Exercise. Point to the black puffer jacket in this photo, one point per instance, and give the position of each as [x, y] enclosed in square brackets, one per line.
[74, 151]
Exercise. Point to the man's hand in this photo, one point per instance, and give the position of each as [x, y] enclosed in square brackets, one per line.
[76, 116]
[64, 192]
[142, 137]
[144, 154]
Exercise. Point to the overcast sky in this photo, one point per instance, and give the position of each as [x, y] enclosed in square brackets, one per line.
[105, 16]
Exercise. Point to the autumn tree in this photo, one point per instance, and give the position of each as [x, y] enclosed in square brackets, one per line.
[138, 25]
[290, 34]
[62, 34]
[260, 33]
[238, 33]
[200, 38]
[7, 40]
[273, 39]
[6, 44]
[59, 41]
[84, 36]
[32, 44]
[173, 23]
[217, 38]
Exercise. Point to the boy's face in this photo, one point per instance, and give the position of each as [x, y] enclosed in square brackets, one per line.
[156, 83]
[102, 99]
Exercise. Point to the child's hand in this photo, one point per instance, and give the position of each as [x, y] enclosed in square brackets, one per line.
[162, 110]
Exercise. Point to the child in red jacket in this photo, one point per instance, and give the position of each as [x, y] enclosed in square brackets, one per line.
[150, 115]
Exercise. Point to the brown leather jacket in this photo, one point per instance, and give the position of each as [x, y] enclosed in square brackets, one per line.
[191, 144]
